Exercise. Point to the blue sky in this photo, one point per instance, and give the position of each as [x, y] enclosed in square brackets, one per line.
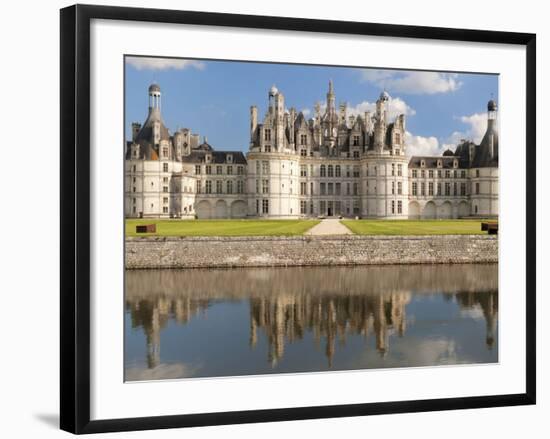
[212, 98]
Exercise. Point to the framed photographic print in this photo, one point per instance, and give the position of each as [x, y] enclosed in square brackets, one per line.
[272, 218]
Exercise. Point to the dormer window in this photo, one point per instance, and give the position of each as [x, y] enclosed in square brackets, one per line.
[208, 158]
[455, 163]
[229, 158]
[439, 164]
[422, 163]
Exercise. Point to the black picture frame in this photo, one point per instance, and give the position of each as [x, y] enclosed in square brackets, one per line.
[75, 217]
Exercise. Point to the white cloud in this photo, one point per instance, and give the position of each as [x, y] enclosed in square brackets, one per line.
[419, 145]
[413, 82]
[142, 63]
[476, 127]
[395, 107]
[306, 112]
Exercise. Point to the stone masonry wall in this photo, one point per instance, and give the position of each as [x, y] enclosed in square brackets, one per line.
[220, 252]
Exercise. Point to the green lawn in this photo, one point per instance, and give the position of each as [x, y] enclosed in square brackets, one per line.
[414, 227]
[234, 227]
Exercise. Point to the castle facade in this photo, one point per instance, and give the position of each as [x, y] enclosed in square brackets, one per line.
[334, 164]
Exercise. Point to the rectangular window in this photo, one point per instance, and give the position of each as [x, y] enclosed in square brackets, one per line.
[447, 189]
[208, 187]
[257, 167]
[393, 187]
[393, 169]
[322, 207]
[392, 206]
[240, 170]
[399, 188]
[219, 186]
[303, 207]
[348, 170]
[265, 167]
[438, 189]
[197, 169]
[165, 200]
[447, 174]
[330, 171]
[356, 171]
[430, 188]
[423, 189]
[267, 135]
[230, 170]
[303, 188]
[229, 187]
[303, 152]
[423, 174]
[414, 173]
[462, 189]
[165, 167]
[257, 186]
[455, 189]
[355, 154]
[265, 206]
[303, 139]
[399, 206]
[355, 189]
[462, 174]
[165, 179]
[477, 188]
[415, 188]
[165, 209]
[311, 188]
[208, 169]
[303, 171]
[323, 188]
[165, 189]
[348, 189]
[337, 170]
[431, 173]
[337, 188]
[439, 174]
[257, 207]
[240, 186]
[198, 186]
[219, 170]
[330, 188]
[355, 140]
[399, 170]
[265, 186]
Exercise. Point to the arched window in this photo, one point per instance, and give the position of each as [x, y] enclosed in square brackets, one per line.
[323, 171]
[337, 169]
[330, 171]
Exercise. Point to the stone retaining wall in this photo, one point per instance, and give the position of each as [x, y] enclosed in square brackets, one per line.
[225, 252]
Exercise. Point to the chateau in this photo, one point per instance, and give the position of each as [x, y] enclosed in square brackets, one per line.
[333, 164]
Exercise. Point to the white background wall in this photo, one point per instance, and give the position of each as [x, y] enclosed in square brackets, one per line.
[29, 218]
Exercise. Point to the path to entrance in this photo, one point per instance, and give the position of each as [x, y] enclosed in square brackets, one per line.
[331, 226]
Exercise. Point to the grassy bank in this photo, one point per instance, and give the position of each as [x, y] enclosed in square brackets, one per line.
[414, 227]
[234, 227]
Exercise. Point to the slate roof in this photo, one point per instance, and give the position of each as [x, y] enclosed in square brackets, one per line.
[218, 157]
[431, 161]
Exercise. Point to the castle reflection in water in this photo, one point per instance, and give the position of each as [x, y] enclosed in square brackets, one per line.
[286, 304]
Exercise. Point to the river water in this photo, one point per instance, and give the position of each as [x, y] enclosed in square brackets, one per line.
[211, 323]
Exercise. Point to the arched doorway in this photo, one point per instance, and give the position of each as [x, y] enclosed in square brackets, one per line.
[238, 209]
[414, 210]
[463, 209]
[445, 211]
[203, 210]
[221, 209]
[429, 210]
